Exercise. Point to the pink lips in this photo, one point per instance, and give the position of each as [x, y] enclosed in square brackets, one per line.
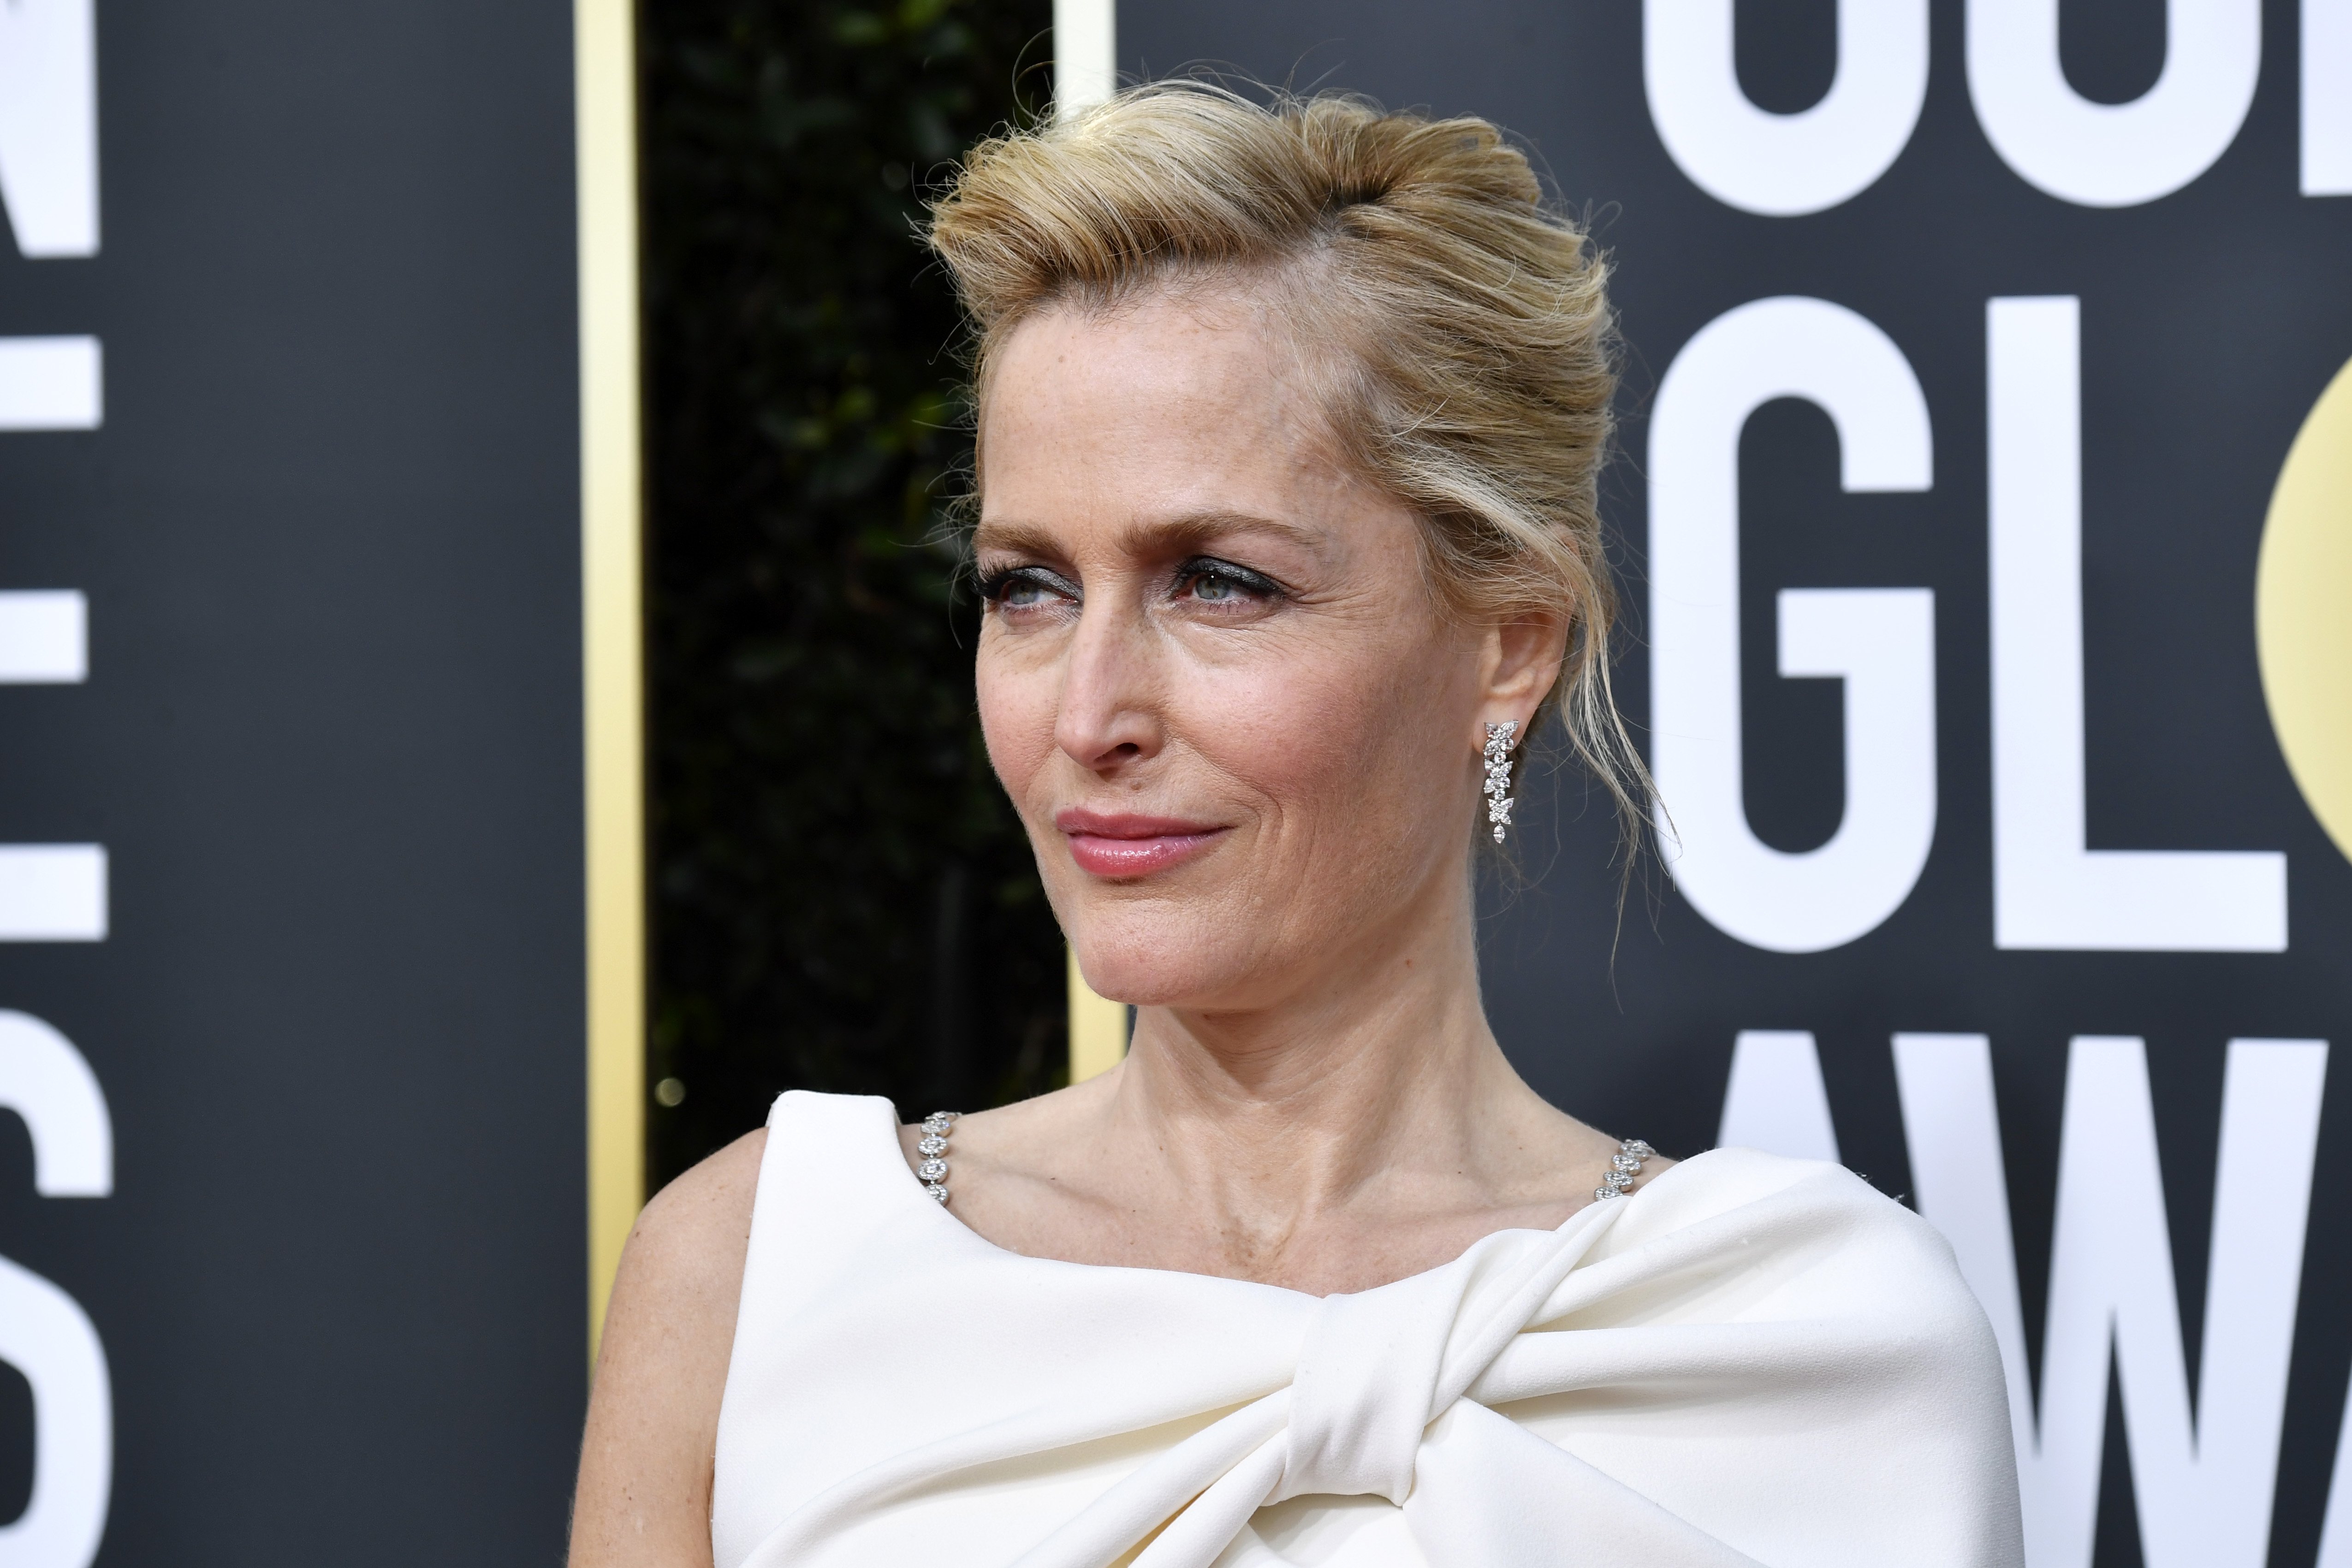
[1122, 846]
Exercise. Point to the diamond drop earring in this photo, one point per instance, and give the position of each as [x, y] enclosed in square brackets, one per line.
[1498, 774]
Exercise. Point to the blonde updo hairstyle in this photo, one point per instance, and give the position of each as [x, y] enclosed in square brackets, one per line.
[1473, 371]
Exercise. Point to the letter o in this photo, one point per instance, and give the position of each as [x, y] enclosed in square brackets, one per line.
[1784, 165]
[2113, 154]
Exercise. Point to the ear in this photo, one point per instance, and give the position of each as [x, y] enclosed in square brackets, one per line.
[1518, 665]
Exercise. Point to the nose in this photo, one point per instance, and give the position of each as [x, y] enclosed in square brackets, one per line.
[1111, 686]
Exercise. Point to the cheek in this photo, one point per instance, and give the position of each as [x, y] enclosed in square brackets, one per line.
[1363, 738]
[1016, 716]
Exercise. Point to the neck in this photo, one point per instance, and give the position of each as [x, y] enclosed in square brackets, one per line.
[1379, 1074]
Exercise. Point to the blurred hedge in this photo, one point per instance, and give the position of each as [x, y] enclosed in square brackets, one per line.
[842, 899]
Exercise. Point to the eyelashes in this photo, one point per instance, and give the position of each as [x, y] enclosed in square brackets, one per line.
[1204, 580]
[1213, 580]
[1022, 588]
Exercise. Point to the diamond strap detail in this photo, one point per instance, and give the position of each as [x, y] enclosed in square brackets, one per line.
[933, 1147]
[1625, 1168]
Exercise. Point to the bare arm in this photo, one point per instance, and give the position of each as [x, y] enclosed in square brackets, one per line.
[652, 1415]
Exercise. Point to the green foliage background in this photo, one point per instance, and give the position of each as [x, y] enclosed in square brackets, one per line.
[842, 897]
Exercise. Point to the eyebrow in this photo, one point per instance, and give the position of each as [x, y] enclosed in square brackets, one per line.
[1168, 536]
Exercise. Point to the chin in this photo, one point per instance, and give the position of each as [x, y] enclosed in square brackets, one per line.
[1147, 959]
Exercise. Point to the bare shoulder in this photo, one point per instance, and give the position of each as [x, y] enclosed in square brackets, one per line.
[1591, 1154]
[661, 1370]
[692, 1236]
[681, 1277]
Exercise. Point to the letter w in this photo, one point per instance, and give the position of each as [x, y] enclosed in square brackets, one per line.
[2203, 1476]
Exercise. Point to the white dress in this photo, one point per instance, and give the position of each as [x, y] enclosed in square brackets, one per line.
[1752, 1359]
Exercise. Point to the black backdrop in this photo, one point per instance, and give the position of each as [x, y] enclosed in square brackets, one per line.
[328, 532]
[2211, 319]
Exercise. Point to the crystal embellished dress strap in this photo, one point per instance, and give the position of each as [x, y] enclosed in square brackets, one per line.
[1624, 1168]
[937, 1127]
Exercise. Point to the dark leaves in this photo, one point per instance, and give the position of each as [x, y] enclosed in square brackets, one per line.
[842, 899]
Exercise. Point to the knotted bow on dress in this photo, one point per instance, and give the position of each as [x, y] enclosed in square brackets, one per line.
[1752, 1359]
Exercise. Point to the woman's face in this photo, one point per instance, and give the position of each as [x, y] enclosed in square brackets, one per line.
[1243, 739]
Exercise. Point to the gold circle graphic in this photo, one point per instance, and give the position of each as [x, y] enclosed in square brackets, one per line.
[2302, 609]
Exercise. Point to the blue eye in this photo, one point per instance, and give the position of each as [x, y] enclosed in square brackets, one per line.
[1023, 588]
[1212, 582]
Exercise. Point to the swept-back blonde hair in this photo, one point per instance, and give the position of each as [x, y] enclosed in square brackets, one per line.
[1474, 366]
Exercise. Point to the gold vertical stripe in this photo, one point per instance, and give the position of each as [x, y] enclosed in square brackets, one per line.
[611, 503]
[1086, 71]
[1098, 1028]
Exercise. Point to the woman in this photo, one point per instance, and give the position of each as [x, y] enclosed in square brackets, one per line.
[1289, 421]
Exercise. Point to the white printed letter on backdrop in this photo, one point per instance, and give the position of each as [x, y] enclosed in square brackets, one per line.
[1784, 165]
[1776, 1098]
[49, 125]
[2113, 154]
[2328, 97]
[2204, 1474]
[2051, 891]
[2336, 1525]
[44, 1333]
[1879, 641]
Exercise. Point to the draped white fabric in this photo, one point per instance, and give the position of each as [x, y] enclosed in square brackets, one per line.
[1751, 1361]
